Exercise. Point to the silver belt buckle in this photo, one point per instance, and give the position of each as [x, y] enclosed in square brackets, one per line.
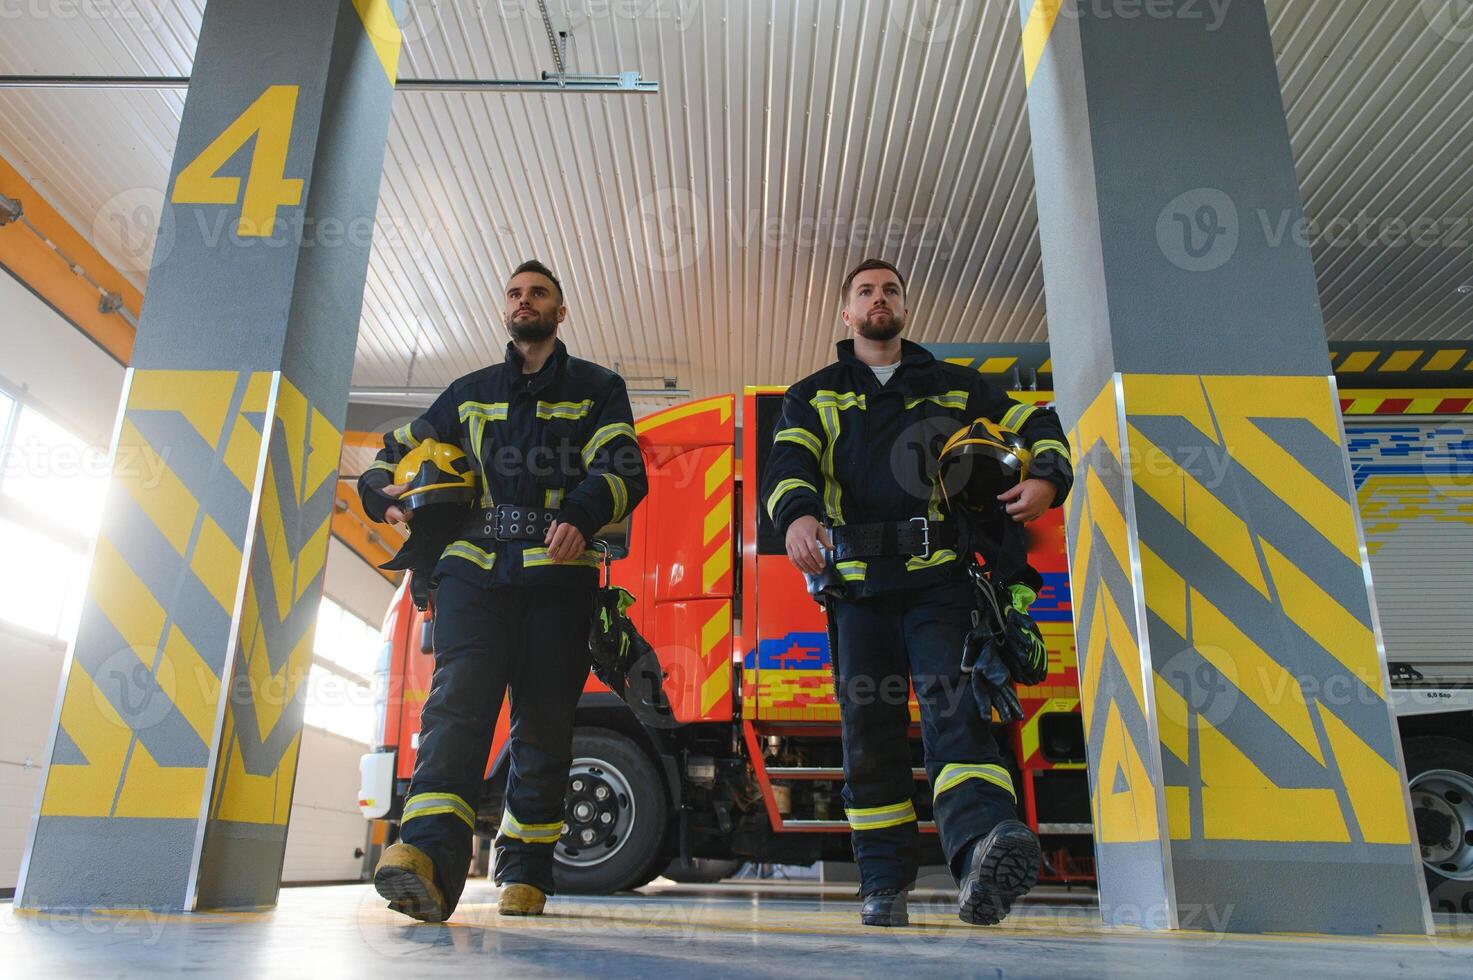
[925, 536]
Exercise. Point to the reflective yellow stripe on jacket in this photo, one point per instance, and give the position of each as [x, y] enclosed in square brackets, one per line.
[956, 400]
[801, 437]
[830, 406]
[1050, 446]
[783, 489]
[602, 437]
[564, 410]
[476, 556]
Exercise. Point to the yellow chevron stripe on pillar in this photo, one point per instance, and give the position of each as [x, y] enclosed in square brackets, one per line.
[302, 456]
[101, 735]
[383, 33]
[1126, 810]
[1183, 496]
[1240, 803]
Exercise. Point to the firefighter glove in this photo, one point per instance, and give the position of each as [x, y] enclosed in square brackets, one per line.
[1024, 651]
[992, 684]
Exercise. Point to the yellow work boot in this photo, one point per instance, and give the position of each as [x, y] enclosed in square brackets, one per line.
[520, 899]
[406, 877]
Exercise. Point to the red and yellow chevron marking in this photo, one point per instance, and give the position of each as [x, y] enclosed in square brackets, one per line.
[716, 657]
[719, 408]
[716, 539]
[1407, 401]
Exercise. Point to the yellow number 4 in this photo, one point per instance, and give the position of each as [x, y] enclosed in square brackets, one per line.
[269, 120]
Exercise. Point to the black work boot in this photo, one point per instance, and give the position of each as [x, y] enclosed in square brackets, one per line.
[885, 907]
[1003, 865]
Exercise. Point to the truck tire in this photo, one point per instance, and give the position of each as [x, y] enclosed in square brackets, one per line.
[615, 818]
[702, 871]
[1440, 774]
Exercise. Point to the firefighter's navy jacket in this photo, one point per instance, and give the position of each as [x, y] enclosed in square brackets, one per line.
[833, 455]
[560, 439]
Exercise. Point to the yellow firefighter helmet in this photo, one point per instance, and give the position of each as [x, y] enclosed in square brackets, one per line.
[436, 473]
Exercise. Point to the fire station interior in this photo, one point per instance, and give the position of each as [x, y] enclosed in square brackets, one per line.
[1228, 242]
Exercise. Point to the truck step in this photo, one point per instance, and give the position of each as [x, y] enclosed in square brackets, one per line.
[817, 772]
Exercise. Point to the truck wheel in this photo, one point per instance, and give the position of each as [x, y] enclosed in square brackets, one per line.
[702, 871]
[615, 817]
[1440, 774]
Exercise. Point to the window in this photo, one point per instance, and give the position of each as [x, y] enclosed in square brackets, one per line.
[51, 491]
[345, 651]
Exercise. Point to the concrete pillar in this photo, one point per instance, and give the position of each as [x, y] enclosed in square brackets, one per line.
[174, 752]
[1245, 771]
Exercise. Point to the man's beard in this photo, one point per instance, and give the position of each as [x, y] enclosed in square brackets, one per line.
[882, 330]
[533, 331]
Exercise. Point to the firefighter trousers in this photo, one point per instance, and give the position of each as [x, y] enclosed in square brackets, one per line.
[882, 641]
[533, 641]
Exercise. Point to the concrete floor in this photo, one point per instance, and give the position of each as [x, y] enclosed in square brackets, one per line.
[757, 929]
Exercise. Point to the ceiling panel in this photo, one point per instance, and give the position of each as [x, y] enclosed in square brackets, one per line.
[702, 233]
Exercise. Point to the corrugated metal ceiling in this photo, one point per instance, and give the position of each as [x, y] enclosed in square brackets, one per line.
[702, 233]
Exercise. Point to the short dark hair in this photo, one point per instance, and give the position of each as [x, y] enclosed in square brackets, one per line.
[866, 266]
[532, 265]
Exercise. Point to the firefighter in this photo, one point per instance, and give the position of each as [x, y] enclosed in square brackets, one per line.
[554, 450]
[841, 489]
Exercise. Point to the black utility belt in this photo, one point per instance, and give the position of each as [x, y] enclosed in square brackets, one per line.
[510, 522]
[915, 538]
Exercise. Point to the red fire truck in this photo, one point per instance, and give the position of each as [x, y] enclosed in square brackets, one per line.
[749, 769]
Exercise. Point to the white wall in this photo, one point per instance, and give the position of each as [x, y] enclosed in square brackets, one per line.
[31, 670]
[75, 381]
[356, 585]
[325, 826]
